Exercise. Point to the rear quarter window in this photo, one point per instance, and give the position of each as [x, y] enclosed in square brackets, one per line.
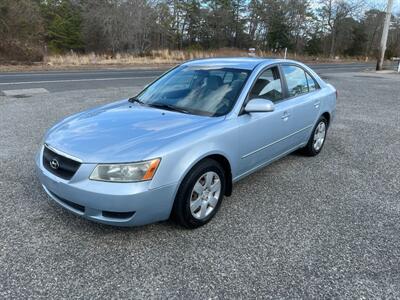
[312, 84]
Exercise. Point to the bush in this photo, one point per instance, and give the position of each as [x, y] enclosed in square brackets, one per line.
[15, 51]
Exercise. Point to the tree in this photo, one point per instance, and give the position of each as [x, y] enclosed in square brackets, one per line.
[352, 38]
[316, 27]
[270, 22]
[393, 46]
[333, 12]
[21, 30]
[63, 25]
[119, 25]
[372, 26]
[300, 20]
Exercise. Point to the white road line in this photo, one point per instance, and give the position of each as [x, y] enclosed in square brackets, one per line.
[335, 68]
[76, 80]
[53, 73]
[25, 92]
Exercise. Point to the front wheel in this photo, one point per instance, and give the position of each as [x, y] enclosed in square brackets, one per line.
[200, 194]
[317, 139]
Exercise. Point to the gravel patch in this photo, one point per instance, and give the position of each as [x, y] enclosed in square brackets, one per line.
[323, 227]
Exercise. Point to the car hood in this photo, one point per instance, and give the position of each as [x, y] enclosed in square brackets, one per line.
[121, 132]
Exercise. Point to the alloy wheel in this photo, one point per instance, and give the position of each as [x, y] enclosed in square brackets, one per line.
[319, 136]
[205, 195]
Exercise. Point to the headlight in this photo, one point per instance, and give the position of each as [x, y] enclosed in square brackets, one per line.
[133, 172]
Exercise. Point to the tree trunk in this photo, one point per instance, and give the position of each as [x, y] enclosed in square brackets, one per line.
[333, 42]
[370, 43]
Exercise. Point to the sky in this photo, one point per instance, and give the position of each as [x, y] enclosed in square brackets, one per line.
[378, 4]
[381, 4]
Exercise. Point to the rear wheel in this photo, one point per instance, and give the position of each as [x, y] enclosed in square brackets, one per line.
[317, 139]
[200, 194]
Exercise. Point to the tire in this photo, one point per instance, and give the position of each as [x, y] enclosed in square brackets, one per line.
[199, 198]
[313, 148]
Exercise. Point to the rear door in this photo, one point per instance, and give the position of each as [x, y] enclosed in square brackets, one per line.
[303, 98]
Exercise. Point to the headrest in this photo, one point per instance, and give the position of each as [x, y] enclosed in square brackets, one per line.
[214, 82]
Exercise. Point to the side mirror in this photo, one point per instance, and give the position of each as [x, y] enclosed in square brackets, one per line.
[259, 105]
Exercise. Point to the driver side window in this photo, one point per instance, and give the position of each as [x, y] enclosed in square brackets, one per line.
[268, 86]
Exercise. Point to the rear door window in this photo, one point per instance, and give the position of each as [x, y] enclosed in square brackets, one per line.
[296, 80]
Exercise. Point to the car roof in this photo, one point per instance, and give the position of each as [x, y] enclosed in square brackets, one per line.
[246, 63]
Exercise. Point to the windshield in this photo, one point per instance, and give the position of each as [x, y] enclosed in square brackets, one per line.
[196, 90]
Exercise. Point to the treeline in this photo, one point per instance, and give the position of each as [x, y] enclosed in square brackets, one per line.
[30, 29]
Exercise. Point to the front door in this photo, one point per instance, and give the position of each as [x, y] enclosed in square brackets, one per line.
[262, 136]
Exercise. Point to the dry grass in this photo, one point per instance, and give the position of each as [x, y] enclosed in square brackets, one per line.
[155, 58]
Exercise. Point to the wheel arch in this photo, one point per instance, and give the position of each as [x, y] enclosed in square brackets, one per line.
[222, 160]
[327, 116]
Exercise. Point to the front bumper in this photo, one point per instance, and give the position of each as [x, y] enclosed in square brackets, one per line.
[120, 204]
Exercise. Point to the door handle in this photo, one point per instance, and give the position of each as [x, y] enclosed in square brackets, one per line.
[316, 104]
[285, 116]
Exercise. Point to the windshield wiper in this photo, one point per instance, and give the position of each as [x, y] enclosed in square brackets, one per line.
[134, 99]
[168, 107]
[159, 105]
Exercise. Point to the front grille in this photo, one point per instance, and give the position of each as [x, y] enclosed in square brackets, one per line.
[59, 165]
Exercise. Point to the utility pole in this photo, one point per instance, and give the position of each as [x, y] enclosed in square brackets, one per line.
[385, 32]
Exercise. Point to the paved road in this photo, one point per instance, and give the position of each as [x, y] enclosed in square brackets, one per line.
[56, 81]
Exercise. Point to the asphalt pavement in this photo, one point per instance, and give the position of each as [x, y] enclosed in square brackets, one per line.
[58, 81]
[323, 227]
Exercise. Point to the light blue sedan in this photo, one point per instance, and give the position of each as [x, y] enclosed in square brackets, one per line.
[176, 148]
